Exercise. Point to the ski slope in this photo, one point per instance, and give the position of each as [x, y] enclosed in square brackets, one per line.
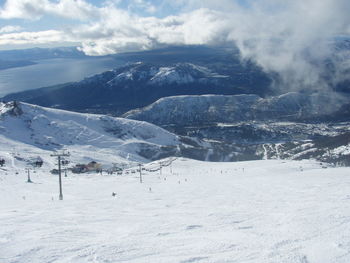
[257, 211]
[30, 131]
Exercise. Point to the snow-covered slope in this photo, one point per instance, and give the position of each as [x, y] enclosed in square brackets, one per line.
[179, 73]
[256, 212]
[189, 110]
[41, 129]
[246, 127]
[28, 131]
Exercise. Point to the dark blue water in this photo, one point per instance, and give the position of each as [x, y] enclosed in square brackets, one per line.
[53, 71]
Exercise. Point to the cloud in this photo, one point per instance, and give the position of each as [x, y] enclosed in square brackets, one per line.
[290, 37]
[119, 31]
[42, 37]
[9, 29]
[35, 9]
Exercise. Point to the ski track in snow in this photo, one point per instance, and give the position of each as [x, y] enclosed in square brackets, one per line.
[258, 211]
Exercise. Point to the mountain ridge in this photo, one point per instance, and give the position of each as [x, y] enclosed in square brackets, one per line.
[36, 131]
[202, 109]
[138, 84]
[51, 129]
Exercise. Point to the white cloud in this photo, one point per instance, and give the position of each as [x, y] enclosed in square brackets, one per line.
[120, 31]
[35, 9]
[42, 37]
[276, 34]
[10, 29]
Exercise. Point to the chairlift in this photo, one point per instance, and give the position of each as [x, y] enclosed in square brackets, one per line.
[64, 162]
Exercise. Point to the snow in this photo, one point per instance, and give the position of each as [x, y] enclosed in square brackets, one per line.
[179, 73]
[257, 211]
[42, 130]
[171, 75]
[199, 109]
[344, 150]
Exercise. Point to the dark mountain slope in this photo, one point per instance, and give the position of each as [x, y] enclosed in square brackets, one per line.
[166, 72]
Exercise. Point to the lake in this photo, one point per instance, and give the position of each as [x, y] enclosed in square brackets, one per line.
[53, 71]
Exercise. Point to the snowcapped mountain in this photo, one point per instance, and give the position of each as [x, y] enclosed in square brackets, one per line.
[174, 71]
[245, 127]
[142, 83]
[179, 73]
[27, 131]
[242, 119]
[29, 128]
[196, 110]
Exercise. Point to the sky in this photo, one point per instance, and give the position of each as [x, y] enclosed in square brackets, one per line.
[110, 26]
[274, 33]
[102, 27]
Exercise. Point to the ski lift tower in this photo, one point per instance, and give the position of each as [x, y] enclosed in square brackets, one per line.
[59, 157]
